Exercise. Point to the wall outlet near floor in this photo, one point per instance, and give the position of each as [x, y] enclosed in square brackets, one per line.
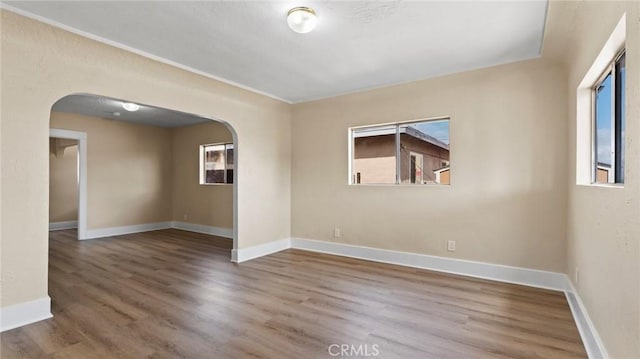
[451, 246]
[184, 217]
[336, 232]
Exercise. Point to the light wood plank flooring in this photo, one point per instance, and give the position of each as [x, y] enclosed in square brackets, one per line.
[175, 294]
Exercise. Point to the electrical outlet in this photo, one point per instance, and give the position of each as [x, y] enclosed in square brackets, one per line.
[451, 246]
[184, 217]
[336, 232]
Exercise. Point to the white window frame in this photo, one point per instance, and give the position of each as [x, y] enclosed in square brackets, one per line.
[612, 174]
[584, 146]
[201, 165]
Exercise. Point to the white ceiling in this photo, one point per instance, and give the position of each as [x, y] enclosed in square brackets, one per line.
[104, 107]
[357, 45]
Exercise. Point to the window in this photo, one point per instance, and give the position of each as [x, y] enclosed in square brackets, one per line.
[609, 123]
[403, 153]
[216, 163]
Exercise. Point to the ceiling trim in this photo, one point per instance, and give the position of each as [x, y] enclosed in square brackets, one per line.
[544, 27]
[133, 50]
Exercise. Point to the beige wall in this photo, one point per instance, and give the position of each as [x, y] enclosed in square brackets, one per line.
[139, 174]
[63, 181]
[41, 64]
[499, 208]
[603, 223]
[129, 170]
[210, 205]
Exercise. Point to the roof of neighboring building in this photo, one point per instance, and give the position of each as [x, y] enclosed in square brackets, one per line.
[413, 132]
[442, 169]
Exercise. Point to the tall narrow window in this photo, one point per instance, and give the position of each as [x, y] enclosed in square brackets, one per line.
[402, 153]
[216, 163]
[609, 124]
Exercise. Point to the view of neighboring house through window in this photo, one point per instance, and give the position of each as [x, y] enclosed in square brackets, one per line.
[403, 153]
[216, 163]
[609, 124]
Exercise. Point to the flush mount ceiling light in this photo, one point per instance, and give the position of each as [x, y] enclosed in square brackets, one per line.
[302, 19]
[129, 106]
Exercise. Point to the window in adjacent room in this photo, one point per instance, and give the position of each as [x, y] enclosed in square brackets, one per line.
[609, 123]
[402, 153]
[216, 163]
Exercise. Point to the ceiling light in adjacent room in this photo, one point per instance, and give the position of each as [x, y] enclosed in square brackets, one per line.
[130, 106]
[302, 19]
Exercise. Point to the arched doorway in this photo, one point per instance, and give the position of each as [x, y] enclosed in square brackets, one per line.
[156, 138]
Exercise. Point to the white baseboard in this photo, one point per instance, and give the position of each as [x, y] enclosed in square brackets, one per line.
[200, 228]
[497, 272]
[17, 315]
[501, 273]
[119, 231]
[245, 254]
[590, 337]
[139, 228]
[58, 226]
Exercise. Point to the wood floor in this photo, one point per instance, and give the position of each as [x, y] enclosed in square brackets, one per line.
[175, 294]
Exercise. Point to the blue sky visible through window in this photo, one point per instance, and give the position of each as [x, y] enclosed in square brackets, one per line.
[603, 121]
[437, 129]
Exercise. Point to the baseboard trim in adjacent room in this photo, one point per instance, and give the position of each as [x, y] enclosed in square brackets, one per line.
[200, 228]
[590, 337]
[139, 228]
[17, 315]
[245, 254]
[497, 272]
[119, 231]
[58, 226]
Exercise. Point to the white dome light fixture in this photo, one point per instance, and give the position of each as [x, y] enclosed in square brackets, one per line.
[302, 19]
[130, 106]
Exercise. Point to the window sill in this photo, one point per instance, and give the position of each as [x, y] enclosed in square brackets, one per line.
[216, 184]
[602, 185]
[399, 185]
